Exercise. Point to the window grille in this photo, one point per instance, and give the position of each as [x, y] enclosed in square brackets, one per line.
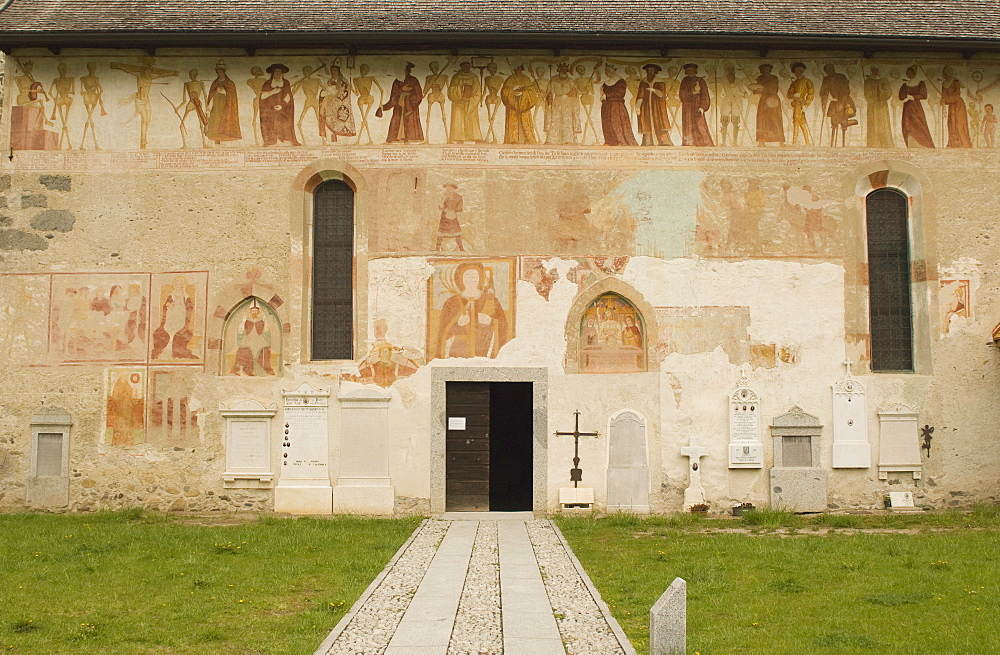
[890, 309]
[333, 271]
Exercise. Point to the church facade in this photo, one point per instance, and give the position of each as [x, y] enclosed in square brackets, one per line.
[410, 278]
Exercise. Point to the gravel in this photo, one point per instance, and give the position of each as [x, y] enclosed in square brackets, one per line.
[478, 626]
[583, 628]
[369, 632]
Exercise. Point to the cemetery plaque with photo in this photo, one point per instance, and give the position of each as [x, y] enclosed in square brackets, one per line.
[745, 448]
[305, 434]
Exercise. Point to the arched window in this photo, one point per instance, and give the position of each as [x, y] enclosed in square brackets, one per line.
[889, 300]
[333, 271]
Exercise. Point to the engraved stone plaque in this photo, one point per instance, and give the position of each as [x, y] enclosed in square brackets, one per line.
[850, 424]
[248, 445]
[305, 447]
[745, 448]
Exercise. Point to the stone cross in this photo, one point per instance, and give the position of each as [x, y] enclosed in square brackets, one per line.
[848, 363]
[576, 473]
[695, 493]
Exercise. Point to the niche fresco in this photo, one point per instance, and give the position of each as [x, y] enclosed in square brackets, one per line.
[252, 340]
[612, 337]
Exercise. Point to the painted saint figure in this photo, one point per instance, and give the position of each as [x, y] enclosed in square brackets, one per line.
[916, 132]
[144, 75]
[465, 92]
[801, 93]
[562, 116]
[519, 96]
[277, 108]
[404, 102]
[253, 344]
[93, 97]
[473, 323]
[878, 127]
[651, 105]
[958, 120]
[176, 328]
[223, 108]
[336, 116]
[770, 126]
[615, 120]
[448, 225]
[695, 101]
[841, 109]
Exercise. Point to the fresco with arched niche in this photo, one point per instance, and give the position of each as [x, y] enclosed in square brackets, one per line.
[612, 337]
[251, 342]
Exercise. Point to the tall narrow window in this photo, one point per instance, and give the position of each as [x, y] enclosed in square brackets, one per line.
[890, 309]
[333, 271]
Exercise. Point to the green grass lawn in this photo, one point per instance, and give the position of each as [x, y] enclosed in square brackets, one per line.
[776, 583]
[134, 582]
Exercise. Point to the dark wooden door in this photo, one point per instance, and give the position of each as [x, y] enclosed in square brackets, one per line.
[467, 451]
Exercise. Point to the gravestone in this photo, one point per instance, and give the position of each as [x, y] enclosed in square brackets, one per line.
[668, 621]
[48, 472]
[304, 486]
[248, 445]
[628, 471]
[851, 449]
[899, 442]
[798, 483]
[695, 493]
[745, 448]
[902, 500]
[363, 484]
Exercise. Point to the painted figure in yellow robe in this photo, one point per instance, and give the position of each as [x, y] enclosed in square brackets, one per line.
[519, 95]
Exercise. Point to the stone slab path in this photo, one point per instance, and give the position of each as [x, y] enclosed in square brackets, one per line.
[480, 584]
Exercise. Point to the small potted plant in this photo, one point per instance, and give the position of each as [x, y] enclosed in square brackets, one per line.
[699, 508]
[738, 510]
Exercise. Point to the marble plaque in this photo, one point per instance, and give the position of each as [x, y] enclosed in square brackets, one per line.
[899, 441]
[850, 425]
[305, 445]
[744, 428]
[248, 444]
[898, 499]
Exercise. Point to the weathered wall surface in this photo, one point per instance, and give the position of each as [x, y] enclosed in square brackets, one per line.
[145, 284]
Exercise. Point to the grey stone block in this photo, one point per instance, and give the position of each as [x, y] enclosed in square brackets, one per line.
[56, 182]
[798, 489]
[34, 200]
[54, 220]
[668, 621]
[18, 240]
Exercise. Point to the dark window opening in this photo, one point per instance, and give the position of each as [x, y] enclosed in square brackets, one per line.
[333, 271]
[890, 308]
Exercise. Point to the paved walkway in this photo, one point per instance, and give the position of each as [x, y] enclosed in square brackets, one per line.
[495, 583]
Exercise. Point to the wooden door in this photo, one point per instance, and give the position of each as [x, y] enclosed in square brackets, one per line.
[467, 451]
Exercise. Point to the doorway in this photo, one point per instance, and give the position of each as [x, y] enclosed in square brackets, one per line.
[488, 446]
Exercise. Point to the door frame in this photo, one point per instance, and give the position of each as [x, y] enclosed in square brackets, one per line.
[539, 377]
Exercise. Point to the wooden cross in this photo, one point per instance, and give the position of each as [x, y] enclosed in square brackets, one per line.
[576, 473]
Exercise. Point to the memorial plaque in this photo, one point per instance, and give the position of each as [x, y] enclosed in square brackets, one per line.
[850, 424]
[796, 451]
[745, 448]
[898, 499]
[305, 446]
[50, 455]
[899, 441]
[248, 444]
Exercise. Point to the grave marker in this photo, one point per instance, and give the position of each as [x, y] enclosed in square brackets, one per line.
[745, 448]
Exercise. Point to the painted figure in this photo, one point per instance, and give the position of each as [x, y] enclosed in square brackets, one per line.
[631, 335]
[632, 81]
[144, 75]
[465, 92]
[651, 106]
[841, 109]
[916, 133]
[176, 328]
[473, 323]
[256, 84]
[28, 121]
[93, 97]
[277, 108]
[801, 93]
[336, 116]
[223, 108]
[615, 120]
[62, 90]
[733, 95]
[193, 101]
[695, 101]
[878, 128]
[310, 87]
[448, 225]
[989, 125]
[519, 95]
[585, 89]
[404, 102]
[770, 126]
[363, 87]
[434, 86]
[494, 84]
[562, 115]
[253, 344]
[125, 407]
[958, 120]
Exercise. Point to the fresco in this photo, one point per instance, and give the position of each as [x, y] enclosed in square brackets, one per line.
[172, 412]
[385, 362]
[470, 307]
[689, 330]
[99, 317]
[954, 301]
[125, 415]
[542, 273]
[177, 318]
[251, 344]
[612, 337]
[177, 102]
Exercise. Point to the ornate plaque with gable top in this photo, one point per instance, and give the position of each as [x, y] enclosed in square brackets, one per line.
[745, 448]
[851, 449]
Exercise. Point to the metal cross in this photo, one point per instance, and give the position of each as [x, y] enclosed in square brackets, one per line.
[576, 473]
